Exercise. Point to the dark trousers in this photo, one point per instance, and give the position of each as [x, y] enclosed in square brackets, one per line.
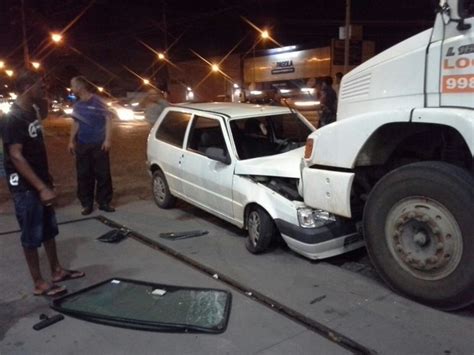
[93, 173]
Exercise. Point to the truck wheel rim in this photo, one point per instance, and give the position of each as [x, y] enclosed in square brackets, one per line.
[424, 238]
[254, 227]
[159, 189]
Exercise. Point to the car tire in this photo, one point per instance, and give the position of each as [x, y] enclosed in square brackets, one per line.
[161, 191]
[261, 230]
[419, 233]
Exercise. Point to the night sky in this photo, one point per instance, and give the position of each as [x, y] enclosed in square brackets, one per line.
[109, 30]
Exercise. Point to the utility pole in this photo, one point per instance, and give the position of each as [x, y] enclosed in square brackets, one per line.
[26, 53]
[165, 41]
[347, 34]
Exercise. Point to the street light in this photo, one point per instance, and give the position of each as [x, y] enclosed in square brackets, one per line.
[215, 68]
[100, 88]
[9, 72]
[161, 56]
[2, 64]
[264, 34]
[146, 81]
[56, 37]
[36, 65]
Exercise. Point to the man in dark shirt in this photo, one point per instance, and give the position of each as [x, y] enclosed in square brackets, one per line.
[30, 184]
[328, 101]
[90, 141]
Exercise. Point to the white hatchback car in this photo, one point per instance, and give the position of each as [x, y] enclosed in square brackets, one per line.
[241, 163]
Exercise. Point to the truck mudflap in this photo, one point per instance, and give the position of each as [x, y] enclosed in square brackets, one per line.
[331, 239]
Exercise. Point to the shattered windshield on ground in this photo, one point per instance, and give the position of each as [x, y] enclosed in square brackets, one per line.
[268, 135]
[148, 306]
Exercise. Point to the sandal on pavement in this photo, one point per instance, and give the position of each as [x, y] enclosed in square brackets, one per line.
[51, 291]
[69, 275]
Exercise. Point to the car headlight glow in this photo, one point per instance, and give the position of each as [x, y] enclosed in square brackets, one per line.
[310, 218]
[306, 103]
[125, 114]
[68, 111]
[5, 107]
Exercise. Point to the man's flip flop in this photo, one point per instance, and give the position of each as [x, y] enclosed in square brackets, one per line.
[70, 275]
[51, 291]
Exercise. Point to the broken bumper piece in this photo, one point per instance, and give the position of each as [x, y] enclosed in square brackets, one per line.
[322, 242]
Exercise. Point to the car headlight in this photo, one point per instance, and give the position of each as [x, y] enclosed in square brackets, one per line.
[125, 114]
[310, 218]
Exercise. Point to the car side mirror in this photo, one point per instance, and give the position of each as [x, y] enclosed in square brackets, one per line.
[218, 154]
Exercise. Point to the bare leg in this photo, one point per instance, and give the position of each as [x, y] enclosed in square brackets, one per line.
[51, 252]
[32, 259]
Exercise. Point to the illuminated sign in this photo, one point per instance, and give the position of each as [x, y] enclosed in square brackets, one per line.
[284, 66]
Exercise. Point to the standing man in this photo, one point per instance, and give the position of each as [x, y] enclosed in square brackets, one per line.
[337, 84]
[30, 184]
[328, 100]
[90, 141]
[154, 103]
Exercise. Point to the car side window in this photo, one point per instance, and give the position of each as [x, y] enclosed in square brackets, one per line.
[173, 128]
[206, 133]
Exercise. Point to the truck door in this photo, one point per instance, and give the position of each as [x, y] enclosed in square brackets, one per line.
[457, 62]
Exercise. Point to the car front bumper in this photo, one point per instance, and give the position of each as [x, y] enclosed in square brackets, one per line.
[329, 240]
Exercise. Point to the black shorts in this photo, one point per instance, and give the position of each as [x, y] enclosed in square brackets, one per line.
[37, 222]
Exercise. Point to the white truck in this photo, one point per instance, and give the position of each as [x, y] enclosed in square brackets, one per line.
[399, 159]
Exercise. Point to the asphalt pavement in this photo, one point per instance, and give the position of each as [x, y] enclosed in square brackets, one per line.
[282, 303]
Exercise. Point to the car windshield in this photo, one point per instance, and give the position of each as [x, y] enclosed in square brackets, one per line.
[256, 137]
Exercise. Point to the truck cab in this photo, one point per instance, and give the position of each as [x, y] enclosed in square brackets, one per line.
[399, 159]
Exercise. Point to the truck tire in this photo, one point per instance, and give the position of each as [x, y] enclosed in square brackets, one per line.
[161, 191]
[419, 231]
[261, 230]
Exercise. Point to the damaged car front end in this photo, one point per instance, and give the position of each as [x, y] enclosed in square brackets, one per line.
[313, 233]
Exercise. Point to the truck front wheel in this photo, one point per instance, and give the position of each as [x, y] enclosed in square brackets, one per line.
[419, 231]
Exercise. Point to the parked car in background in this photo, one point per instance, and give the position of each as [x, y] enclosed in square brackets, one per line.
[241, 163]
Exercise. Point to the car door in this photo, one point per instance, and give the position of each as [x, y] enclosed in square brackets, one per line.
[165, 147]
[207, 166]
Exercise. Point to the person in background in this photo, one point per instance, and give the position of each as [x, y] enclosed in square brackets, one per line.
[154, 103]
[90, 142]
[31, 185]
[328, 100]
[337, 84]
[276, 98]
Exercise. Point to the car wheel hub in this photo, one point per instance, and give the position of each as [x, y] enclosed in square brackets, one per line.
[424, 238]
[254, 227]
[159, 189]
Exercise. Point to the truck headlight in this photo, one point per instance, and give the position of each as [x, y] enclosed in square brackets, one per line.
[310, 218]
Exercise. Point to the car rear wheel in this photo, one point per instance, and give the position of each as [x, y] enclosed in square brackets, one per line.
[419, 233]
[161, 191]
[261, 230]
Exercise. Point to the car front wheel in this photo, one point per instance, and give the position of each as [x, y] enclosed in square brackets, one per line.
[261, 230]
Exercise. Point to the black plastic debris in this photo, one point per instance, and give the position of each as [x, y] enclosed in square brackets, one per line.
[183, 235]
[149, 306]
[46, 321]
[114, 236]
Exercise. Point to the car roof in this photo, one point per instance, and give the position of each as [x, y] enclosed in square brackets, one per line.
[234, 110]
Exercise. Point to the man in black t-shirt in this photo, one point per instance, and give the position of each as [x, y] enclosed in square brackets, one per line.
[26, 167]
[328, 101]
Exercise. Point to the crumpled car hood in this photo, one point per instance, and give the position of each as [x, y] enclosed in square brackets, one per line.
[283, 165]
